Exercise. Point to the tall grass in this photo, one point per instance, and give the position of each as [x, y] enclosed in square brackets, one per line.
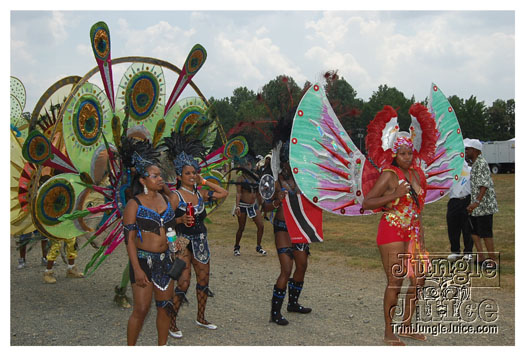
[353, 239]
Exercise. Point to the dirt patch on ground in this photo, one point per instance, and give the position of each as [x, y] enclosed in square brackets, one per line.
[347, 305]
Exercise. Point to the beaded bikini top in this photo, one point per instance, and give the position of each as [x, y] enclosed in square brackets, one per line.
[149, 220]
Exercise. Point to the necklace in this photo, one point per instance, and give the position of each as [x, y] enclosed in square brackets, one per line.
[187, 190]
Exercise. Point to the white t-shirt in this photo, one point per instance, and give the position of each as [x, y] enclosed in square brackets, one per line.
[461, 187]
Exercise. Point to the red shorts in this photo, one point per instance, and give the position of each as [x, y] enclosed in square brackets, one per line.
[387, 234]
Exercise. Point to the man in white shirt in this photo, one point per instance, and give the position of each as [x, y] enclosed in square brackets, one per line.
[458, 217]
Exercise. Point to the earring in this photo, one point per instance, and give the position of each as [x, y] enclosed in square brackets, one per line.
[145, 190]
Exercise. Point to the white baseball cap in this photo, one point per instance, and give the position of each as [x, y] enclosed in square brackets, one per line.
[473, 143]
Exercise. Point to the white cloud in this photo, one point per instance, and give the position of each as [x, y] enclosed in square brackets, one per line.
[21, 53]
[261, 31]
[331, 28]
[161, 40]
[409, 50]
[255, 59]
[57, 25]
[84, 50]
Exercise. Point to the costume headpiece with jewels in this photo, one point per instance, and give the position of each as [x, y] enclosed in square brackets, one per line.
[138, 153]
[182, 150]
[384, 138]
[141, 164]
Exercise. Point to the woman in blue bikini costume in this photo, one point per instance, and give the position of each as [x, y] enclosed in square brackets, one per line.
[147, 216]
[192, 242]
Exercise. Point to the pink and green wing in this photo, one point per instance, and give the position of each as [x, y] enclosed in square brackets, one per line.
[446, 166]
[326, 164]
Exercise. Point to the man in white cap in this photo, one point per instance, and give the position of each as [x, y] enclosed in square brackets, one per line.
[457, 215]
[483, 203]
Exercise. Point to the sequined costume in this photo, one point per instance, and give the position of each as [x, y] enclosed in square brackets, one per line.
[155, 264]
[401, 221]
[197, 234]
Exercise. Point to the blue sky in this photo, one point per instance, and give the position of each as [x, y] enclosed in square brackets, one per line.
[464, 52]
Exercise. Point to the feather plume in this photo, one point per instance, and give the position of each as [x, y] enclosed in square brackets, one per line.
[373, 141]
[429, 133]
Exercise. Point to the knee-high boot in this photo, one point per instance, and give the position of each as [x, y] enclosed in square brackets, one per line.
[294, 290]
[277, 302]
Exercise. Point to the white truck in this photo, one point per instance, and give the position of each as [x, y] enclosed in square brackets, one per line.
[499, 155]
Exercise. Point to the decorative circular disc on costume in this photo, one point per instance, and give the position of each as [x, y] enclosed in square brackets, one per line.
[236, 147]
[46, 111]
[267, 186]
[191, 117]
[16, 118]
[88, 198]
[143, 89]
[85, 119]
[100, 41]
[17, 169]
[24, 186]
[18, 91]
[195, 59]
[56, 197]
[37, 148]
[100, 164]
[54, 200]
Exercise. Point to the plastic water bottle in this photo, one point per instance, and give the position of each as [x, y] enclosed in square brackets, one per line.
[171, 236]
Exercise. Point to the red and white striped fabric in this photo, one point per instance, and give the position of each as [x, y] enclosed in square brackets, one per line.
[304, 220]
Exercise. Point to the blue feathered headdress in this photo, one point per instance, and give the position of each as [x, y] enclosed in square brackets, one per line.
[183, 150]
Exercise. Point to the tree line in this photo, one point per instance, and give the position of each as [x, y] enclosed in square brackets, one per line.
[253, 115]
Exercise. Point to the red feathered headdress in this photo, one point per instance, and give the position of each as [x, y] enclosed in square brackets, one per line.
[383, 131]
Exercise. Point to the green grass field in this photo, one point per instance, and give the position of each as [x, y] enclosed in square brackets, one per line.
[353, 239]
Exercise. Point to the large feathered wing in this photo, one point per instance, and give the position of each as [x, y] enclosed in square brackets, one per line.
[326, 164]
[446, 165]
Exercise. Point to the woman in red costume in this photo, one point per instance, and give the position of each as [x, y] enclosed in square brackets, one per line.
[400, 192]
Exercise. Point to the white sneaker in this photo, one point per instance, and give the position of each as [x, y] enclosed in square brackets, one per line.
[207, 326]
[260, 251]
[468, 257]
[453, 256]
[175, 334]
[21, 263]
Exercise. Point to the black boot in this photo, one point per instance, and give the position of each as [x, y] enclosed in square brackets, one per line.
[277, 302]
[294, 290]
